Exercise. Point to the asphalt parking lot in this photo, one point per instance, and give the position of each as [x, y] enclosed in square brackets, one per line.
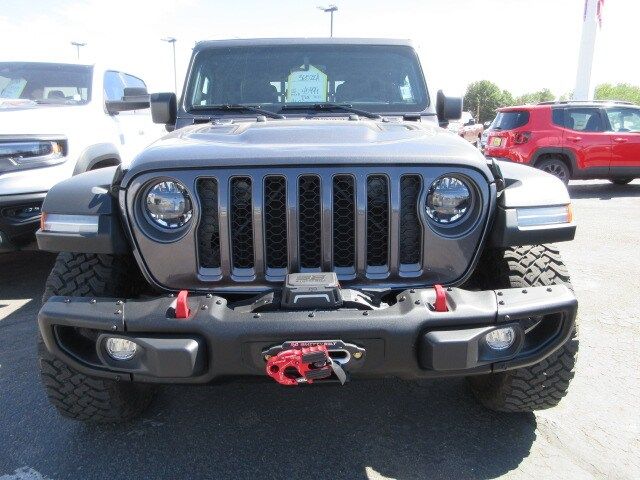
[373, 429]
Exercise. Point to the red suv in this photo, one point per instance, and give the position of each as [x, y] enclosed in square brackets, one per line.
[571, 139]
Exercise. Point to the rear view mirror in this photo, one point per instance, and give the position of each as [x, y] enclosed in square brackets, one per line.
[132, 99]
[164, 107]
[448, 108]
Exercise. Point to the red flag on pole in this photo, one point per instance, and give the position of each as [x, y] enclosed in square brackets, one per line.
[599, 8]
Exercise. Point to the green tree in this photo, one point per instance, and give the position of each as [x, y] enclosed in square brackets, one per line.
[544, 95]
[483, 98]
[621, 91]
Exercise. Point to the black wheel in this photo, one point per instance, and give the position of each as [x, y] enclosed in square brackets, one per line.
[544, 384]
[621, 181]
[74, 394]
[555, 167]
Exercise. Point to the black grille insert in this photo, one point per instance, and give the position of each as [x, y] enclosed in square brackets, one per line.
[309, 221]
[410, 227]
[275, 216]
[241, 223]
[344, 221]
[377, 221]
[209, 228]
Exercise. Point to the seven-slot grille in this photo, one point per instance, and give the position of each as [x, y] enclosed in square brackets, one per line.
[280, 223]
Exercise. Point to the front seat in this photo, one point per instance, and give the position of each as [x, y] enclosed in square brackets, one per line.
[350, 91]
[56, 94]
[257, 91]
[594, 124]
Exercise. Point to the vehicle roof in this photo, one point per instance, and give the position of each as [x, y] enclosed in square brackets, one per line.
[569, 103]
[75, 64]
[246, 42]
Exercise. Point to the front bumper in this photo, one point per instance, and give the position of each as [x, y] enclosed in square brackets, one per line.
[408, 339]
[19, 219]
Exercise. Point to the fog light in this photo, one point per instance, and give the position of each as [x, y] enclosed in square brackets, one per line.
[121, 348]
[501, 338]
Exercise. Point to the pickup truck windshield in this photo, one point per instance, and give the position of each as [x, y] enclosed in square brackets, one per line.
[374, 78]
[46, 82]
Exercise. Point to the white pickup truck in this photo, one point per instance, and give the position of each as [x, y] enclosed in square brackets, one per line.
[58, 120]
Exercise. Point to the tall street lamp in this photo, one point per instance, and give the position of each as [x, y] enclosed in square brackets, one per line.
[78, 45]
[330, 9]
[172, 41]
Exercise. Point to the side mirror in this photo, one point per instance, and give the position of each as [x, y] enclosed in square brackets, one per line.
[448, 108]
[471, 121]
[132, 99]
[486, 124]
[164, 108]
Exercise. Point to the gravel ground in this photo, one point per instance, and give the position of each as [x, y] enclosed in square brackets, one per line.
[369, 429]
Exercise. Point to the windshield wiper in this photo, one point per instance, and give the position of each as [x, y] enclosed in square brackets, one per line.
[237, 107]
[330, 106]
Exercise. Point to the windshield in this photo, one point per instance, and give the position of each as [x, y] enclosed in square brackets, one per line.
[370, 77]
[45, 82]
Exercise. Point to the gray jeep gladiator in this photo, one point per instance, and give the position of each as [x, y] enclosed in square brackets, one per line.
[308, 221]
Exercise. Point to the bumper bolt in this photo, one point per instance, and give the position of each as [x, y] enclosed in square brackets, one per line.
[203, 307]
[500, 294]
[208, 295]
[218, 302]
[312, 314]
[267, 357]
[365, 313]
[119, 302]
[114, 327]
[93, 301]
[67, 300]
[257, 315]
[549, 289]
[357, 355]
[524, 290]
[117, 312]
[417, 302]
[501, 302]
[412, 291]
[403, 298]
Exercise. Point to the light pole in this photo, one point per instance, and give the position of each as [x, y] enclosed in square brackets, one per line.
[172, 41]
[330, 9]
[78, 45]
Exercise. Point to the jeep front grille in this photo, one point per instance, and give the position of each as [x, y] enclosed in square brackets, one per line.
[279, 223]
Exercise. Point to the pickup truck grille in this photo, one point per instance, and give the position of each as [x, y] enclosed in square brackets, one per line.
[280, 223]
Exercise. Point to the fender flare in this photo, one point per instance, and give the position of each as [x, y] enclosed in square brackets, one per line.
[88, 194]
[95, 154]
[573, 163]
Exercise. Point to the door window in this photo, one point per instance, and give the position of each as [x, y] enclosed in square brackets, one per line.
[583, 119]
[624, 119]
[113, 86]
[133, 82]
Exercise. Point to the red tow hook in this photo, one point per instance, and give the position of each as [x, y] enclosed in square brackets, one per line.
[182, 305]
[312, 363]
[440, 304]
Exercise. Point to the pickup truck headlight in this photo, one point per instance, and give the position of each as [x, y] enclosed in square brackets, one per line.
[168, 205]
[448, 200]
[29, 153]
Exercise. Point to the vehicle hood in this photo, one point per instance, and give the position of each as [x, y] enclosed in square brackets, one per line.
[306, 141]
[39, 119]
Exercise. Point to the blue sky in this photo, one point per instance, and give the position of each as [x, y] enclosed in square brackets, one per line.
[522, 45]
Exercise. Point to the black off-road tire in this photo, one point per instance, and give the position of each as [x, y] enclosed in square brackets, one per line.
[544, 384]
[621, 181]
[74, 394]
[555, 167]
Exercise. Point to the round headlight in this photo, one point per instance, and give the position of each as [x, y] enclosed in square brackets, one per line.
[168, 204]
[449, 200]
